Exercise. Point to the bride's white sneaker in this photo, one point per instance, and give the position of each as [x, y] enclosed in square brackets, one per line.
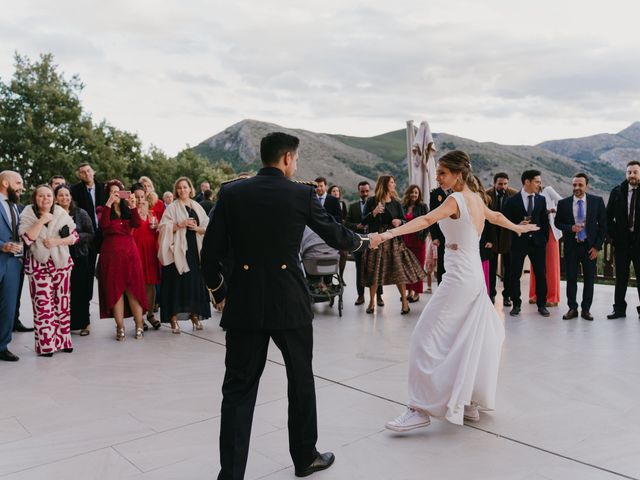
[471, 413]
[409, 420]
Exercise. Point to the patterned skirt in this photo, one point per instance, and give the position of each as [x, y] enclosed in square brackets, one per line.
[392, 263]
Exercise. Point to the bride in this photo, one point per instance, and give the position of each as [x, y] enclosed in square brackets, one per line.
[455, 347]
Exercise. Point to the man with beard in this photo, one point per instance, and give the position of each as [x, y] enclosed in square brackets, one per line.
[10, 261]
[502, 246]
[623, 226]
[583, 221]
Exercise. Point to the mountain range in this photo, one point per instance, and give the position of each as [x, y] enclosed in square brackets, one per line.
[346, 160]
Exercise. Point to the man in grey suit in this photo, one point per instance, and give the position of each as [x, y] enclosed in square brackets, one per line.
[10, 261]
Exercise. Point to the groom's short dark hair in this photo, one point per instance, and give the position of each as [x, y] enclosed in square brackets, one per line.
[275, 145]
[530, 175]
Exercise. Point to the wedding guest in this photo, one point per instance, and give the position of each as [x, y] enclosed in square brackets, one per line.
[413, 206]
[146, 238]
[207, 204]
[182, 229]
[330, 204]
[488, 237]
[501, 251]
[48, 231]
[335, 191]
[119, 268]
[90, 194]
[55, 181]
[204, 186]
[392, 263]
[436, 198]
[80, 277]
[167, 199]
[354, 223]
[152, 198]
[623, 226]
[583, 220]
[11, 249]
[528, 207]
[18, 326]
[552, 254]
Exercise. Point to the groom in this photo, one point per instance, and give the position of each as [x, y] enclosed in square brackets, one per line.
[267, 298]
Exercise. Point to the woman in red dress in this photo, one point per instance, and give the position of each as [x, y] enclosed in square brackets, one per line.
[119, 267]
[146, 238]
[413, 206]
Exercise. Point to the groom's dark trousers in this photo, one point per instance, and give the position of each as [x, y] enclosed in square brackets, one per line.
[266, 299]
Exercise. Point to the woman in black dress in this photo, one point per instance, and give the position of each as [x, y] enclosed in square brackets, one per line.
[394, 264]
[182, 228]
[81, 278]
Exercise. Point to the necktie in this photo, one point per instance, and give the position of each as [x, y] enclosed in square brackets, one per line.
[581, 236]
[500, 197]
[14, 221]
[530, 206]
[632, 209]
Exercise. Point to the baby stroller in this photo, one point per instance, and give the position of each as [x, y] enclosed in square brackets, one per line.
[321, 266]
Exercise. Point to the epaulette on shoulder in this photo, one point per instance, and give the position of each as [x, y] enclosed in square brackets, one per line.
[304, 182]
[241, 177]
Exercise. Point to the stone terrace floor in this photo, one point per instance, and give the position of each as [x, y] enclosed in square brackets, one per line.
[567, 402]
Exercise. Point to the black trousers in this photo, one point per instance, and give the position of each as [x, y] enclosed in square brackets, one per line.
[357, 257]
[91, 259]
[16, 319]
[440, 271]
[537, 256]
[506, 275]
[623, 259]
[574, 256]
[245, 360]
[81, 282]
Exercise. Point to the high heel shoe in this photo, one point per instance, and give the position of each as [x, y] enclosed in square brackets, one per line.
[196, 322]
[155, 323]
[404, 312]
[370, 309]
[120, 334]
[175, 328]
[139, 334]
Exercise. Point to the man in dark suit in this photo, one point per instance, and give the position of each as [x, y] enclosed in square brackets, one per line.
[583, 221]
[330, 203]
[623, 226]
[267, 298]
[436, 198]
[88, 195]
[354, 223]
[11, 249]
[527, 206]
[502, 246]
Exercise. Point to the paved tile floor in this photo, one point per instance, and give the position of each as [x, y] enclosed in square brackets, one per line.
[567, 403]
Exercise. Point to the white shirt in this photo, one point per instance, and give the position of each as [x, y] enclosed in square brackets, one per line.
[575, 207]
[322, 199]
[631, 189]
[525, 199]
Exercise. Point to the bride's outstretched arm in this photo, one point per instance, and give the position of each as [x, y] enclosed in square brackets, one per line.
[499, 219]
[448, 208]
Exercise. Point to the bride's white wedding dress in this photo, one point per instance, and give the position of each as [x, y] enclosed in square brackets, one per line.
[456, 345]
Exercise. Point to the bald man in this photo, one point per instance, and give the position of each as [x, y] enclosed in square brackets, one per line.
[10, 261]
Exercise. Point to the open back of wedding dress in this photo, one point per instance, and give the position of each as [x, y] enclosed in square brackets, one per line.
[455, 348]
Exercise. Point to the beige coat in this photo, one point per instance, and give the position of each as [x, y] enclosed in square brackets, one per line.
[173, 245]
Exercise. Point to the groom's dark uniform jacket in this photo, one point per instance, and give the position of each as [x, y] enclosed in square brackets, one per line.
[266, 299]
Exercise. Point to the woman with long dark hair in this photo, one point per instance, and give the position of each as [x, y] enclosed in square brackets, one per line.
[413, 206]
[81, 278]
[393, 263]
[455, 347]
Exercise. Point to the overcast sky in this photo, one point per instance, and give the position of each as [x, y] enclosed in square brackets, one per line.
[177, 72]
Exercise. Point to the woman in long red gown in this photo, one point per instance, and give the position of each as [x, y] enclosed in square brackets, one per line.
[146, 238]
[119, 266]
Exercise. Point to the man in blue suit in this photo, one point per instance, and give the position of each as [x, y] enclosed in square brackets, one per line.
[582, 218]
[527, 206]
[10, 261]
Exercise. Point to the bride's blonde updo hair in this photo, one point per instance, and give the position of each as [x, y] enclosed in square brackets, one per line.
[458, 161]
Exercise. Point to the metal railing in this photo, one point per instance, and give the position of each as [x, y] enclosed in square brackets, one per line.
[605, 269]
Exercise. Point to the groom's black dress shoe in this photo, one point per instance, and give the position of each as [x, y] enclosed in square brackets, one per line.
[587, 315]
[20, 327]
[7, 356]
[543, 311]
[515, 311]
[613, 315]
[572, 313]
[321, 462]
[506, 302]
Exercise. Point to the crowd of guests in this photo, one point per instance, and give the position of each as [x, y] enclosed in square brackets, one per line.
[141, 248]
[145, 250]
